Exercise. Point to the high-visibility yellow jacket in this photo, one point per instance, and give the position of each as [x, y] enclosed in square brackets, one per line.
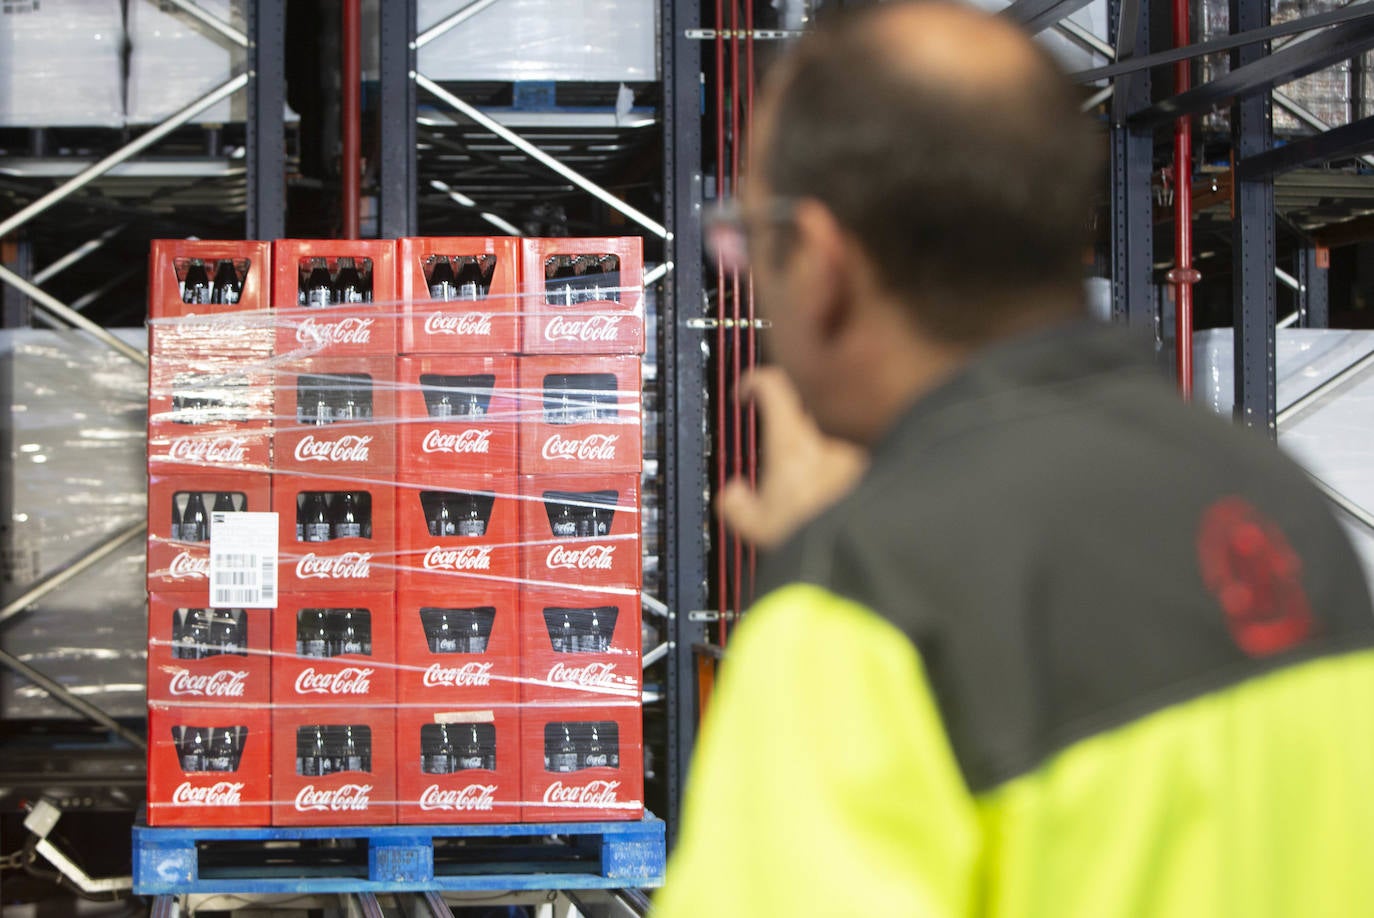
[1071, 650]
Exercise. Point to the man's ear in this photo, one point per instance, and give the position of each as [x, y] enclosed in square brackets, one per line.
[823, 268]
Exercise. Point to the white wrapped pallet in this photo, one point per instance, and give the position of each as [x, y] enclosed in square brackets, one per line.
[61, 64]
[587, 40]
[174, 59]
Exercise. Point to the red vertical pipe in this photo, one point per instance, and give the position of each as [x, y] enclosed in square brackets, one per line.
[721, 393]
[352, 116]
[1183, 274]
[751, 346]
[736, 348]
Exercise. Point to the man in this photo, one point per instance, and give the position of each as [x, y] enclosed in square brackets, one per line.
[1069, 647]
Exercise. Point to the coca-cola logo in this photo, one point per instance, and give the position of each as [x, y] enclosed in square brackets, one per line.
[347, 798]
[221, 793]
[593, 448]
[472, 797]
[346, 331]
[591, 558]
[469, 674]
[593, 675]
[186, 565]
[593, 793]
[351, 565]
[350, 448]
[471, 324]
[201, 449]
[472, 440]
[589, 329]
[226, 683]
[351, 680]
[471, 558]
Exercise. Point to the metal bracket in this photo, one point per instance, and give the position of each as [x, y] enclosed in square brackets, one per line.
[757, 34]
[710, 324]
[40, 822]
[710, 615]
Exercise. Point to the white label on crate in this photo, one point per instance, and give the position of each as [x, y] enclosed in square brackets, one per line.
[347, 797]
[222, 793]
[351, 565]
[186, 566]
[347, 331]
[470, 324]
[587, 330]
[472, 797]
[351, 680]
[226, 683]
[472, 558]
[593, 793]
[593, 448]
[472, 440]
[469, 674]
[593, 675]
[350, 448]
[243, 560]
[224, 450]
[591, 558]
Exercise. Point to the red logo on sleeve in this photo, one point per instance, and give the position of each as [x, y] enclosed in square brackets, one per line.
[1247, 563]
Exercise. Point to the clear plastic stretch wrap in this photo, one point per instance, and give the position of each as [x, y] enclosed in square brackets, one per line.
[445, 437]
[73, 479]
[61, 63]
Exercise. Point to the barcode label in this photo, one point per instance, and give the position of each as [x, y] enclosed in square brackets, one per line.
[243, 560]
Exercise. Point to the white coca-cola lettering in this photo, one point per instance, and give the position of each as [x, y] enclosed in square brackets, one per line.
[593, 675]
[471, 324]
[186, 565]
[591, 558]
[351, 565]
[221, 793]
[472, 797]
[349, 797]
[472, 440]
[471, 558]
[350, 448]
[469, 674]
[594, 448]
[226, 683]
[593, 793]
[202, 449]
[351, 680]
[589, 329]
[345, 331]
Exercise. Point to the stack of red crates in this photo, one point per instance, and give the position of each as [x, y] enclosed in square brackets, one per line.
[450, 436]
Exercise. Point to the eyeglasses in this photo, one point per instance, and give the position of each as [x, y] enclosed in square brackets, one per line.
[728, 232]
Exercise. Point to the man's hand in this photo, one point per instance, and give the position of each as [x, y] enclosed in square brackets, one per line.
[802, 470]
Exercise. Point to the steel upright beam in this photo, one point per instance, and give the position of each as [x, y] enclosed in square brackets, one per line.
[398, 207]
[1252, 232]
[266, 212]
[1132, 152]
[685, 512]
[1314, 304]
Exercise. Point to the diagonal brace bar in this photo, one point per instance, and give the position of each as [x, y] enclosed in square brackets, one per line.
[1346, 140]
[75, 702]
[56, 307]
[520, 143]
[213, 22]
[62, 575]
[457, 19]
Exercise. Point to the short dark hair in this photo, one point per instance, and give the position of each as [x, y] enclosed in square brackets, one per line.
[972, 204]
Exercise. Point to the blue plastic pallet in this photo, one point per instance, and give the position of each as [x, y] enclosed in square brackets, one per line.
[572, 855]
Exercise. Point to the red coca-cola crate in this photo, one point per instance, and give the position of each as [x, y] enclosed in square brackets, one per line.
[181, 561]
[558, 741]
[199, 655]
[455, 530]
[336, 416]
[334, 329]
[334, 649]
[354, 557]
[459, 295]
[209, 765]
[209, 413]
[580, 414]
[320, 778]
[567, 538]
[457, 764]
[457, 414]
[579, 645]
[241, 327]
[459, 645]
[583, 296]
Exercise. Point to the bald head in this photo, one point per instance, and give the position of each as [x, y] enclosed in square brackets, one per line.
[951, 147]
